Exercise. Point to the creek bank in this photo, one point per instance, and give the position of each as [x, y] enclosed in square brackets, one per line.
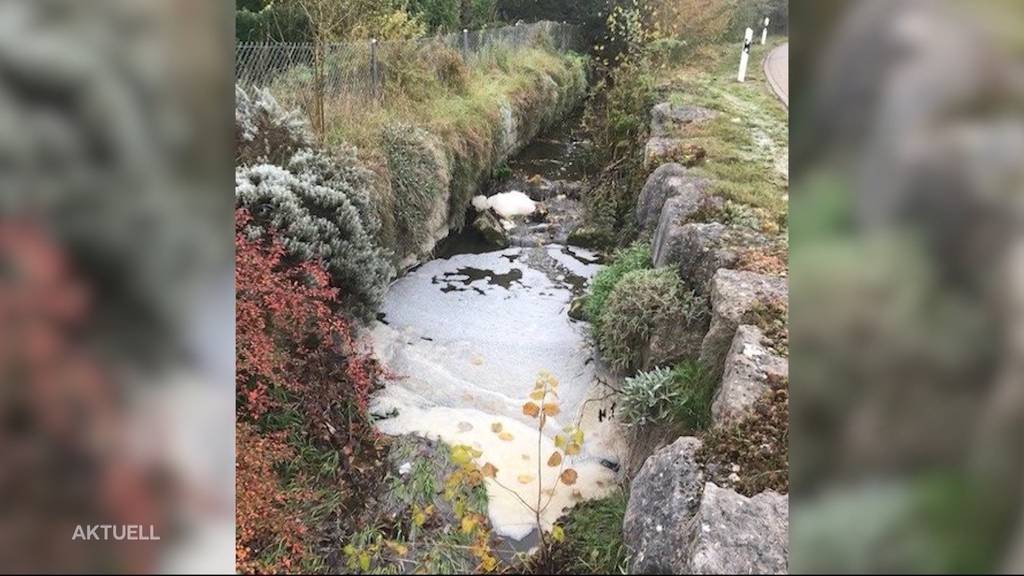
[456, 175]
[682, 517]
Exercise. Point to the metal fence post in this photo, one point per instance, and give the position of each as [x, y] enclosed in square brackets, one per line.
[374, 73]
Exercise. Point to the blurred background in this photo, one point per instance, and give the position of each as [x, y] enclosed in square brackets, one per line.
[907, 286]
[116, 286]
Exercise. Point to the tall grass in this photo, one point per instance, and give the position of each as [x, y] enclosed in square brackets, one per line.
[474, 114]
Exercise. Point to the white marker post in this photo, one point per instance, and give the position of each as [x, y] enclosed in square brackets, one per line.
[745, 55]
[764, 33]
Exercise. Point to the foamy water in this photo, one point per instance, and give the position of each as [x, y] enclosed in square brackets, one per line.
[467, 337]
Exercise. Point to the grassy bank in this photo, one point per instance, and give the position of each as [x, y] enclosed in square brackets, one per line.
[442, 125]
[747, 144]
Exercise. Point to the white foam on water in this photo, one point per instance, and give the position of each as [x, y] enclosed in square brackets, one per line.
[511, 204]
[466, 338]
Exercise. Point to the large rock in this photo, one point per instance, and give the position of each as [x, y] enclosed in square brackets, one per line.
[748, 366]
[677, 523]
[668, 119]
[733, 534]
[698, 249]
[734, 295]
[669, 181]
[663, 497]
[660, 150]
[489, 226]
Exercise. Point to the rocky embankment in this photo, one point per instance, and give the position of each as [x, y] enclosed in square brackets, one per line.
[684, 515]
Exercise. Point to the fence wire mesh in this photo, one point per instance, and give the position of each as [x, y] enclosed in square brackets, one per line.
[361, 69]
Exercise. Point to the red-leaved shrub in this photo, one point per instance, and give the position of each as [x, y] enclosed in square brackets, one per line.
[295, 356]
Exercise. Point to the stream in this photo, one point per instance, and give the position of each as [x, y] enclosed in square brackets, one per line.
[466, 335]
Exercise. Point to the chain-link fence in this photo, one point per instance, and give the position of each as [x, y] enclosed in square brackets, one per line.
[364, 69]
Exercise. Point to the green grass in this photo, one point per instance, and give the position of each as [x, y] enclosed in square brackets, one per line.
[747, 143]
[593, 537]
[635, 257]
[461, 113]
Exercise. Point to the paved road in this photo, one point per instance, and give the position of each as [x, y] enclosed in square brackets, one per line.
[776, 69]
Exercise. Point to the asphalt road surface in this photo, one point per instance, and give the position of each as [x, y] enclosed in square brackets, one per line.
[776, 69]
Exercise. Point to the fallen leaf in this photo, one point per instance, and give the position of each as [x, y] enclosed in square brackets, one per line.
[550, 409]
[524, 478]
[557, 533]
[555, 459]
[506, 436]
[489, 470]
[531, 409]
[568, 476]
[496, 427]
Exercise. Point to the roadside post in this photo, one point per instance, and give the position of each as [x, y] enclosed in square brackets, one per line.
[374, 70]
[745, 55]
[764, 33]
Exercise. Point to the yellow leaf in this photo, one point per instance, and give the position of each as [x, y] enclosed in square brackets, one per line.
[559, 441]
[555, 459]
[496, 427]
[577, 436]
[572, 449]
[489, 470]
[488, 563]
[557, 533]
[568, 476]
[524, 478]
[398, 548]
[550, 409]
[506, 436]
[364, 562]
[531, 409]
[461, 455]
[468, 523]
[537, 395]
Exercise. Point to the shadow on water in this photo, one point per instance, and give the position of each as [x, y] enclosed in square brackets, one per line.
[462, 279]
[559, 153]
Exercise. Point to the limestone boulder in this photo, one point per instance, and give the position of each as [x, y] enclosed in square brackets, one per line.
[735, 295]
[670, 181]
[733, 534]
[663, 497]
[748, 367]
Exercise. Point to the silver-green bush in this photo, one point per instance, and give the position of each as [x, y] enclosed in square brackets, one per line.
[318, 203]
[317, 223]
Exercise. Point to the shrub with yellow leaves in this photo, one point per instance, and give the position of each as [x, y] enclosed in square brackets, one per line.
[541, 405]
